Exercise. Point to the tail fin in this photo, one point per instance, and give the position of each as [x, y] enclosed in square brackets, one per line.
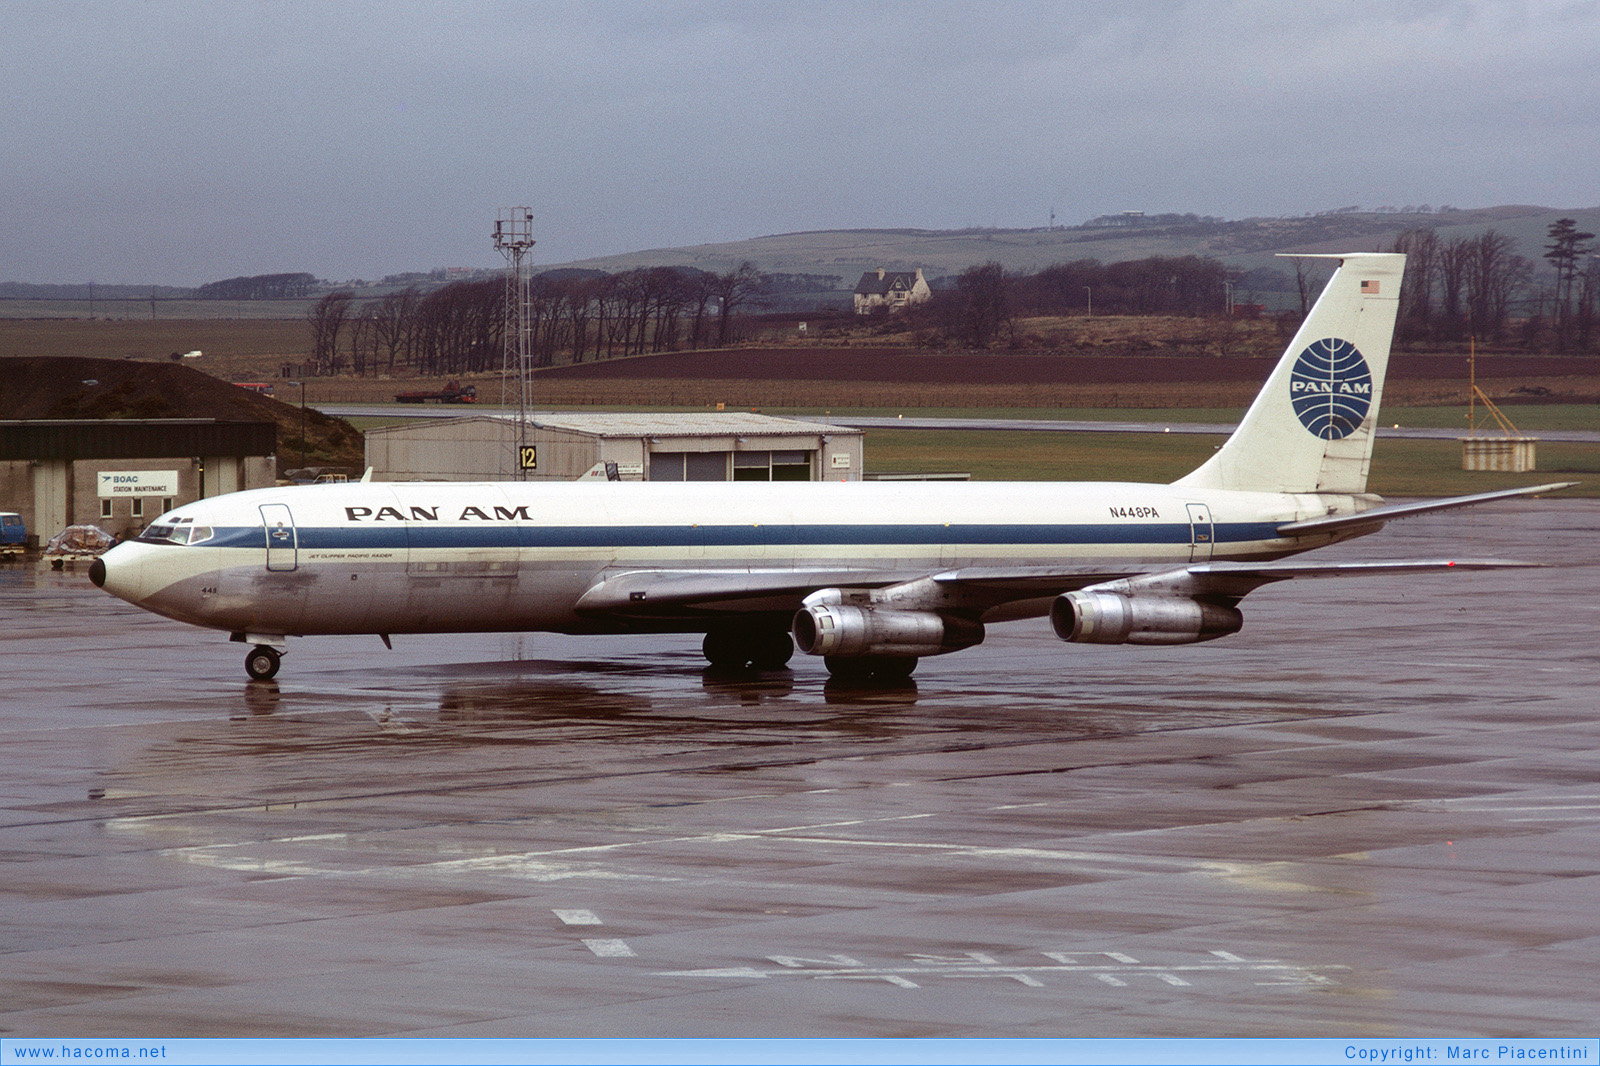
[1310, 428]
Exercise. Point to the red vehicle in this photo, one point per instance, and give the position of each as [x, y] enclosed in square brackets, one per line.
[453, 392]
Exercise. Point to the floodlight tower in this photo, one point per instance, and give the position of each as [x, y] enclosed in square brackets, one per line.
[513, 236]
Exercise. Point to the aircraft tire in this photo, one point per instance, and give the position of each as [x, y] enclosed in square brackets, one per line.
[771, 649]
[725, 648]
[857, 669]
[262, 663]
[894, 668]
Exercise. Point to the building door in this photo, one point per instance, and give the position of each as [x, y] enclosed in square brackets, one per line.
[1200, 533]
[283, 546]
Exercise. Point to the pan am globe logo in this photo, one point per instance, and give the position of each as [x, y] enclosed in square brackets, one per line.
[1330, 388]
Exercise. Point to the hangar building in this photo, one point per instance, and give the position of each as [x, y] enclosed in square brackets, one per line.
[563, 446]
[119, 474]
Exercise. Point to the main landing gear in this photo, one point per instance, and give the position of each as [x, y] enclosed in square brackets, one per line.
[262, 663]
[738, 649]
[883, 669]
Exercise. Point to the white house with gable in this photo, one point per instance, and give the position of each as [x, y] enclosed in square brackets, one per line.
[891, 289]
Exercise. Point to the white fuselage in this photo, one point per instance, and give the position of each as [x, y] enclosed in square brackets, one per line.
[503, 556]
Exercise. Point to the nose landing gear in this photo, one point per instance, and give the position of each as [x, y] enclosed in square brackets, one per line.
[262, 663]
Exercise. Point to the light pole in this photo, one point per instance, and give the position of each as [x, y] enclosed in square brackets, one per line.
[302, 384]
[1088, 295]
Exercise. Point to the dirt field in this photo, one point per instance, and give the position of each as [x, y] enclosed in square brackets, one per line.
[875, 375]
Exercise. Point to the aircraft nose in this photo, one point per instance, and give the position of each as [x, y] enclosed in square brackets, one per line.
[120, 572]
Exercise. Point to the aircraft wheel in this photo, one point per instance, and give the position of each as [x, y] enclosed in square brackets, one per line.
[848, 668]
[262, 663]
[894, 668]
[870, 668]
[771, 650]
[725, 647]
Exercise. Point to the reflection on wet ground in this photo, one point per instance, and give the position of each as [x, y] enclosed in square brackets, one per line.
[1372, 811]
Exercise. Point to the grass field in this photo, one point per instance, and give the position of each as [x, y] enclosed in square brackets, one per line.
[166, 309]
[235, 349]
[1526, 416]
[1399, 467]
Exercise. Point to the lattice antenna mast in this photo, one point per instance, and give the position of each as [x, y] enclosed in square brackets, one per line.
[513, 236]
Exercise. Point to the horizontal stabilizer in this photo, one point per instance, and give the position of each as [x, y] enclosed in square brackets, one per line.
[1379, 515]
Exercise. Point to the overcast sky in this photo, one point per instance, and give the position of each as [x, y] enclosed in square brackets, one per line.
[178, 143]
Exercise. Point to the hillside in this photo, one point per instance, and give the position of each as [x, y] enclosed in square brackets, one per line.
[125, 388]
[1247, 244]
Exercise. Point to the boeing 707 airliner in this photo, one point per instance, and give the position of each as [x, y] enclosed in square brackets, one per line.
[872, 576]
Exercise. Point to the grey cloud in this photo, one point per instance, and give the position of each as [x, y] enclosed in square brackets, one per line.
[181, 142]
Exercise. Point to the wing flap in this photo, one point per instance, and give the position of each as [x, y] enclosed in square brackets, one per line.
[653, 593]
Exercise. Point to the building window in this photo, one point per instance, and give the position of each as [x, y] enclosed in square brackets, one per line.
[105, 508]
[136, 507]
[688, 466]
[166, 504]
[772, 466]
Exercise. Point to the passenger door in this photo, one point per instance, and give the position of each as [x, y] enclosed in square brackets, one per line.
[1201, 533]
[283, 544]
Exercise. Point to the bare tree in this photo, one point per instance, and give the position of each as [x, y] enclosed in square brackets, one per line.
[1420, 246]
[1493, 272]
[1303, 282]
[1589, 304]
[732, 291]
[360, 340]
[392, 324]
[978, 307]
[327, 318]
[1455, 255]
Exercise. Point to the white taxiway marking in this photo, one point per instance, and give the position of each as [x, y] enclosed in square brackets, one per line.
[1118, 971]
[578, 917]
[609, 949]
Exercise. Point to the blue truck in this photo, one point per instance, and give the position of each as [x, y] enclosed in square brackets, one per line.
[13, 534]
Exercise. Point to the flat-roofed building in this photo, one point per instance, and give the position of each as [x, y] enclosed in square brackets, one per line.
[120, 474]
[564, 446]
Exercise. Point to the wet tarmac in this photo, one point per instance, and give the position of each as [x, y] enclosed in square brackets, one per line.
[1374, 811]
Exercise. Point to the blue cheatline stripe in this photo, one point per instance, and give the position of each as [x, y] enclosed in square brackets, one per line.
[399, 537]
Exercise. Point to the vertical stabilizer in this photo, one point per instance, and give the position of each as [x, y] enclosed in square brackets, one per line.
[1311, 427]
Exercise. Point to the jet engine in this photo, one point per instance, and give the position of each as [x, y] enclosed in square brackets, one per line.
[848, 631]
[1115, 618]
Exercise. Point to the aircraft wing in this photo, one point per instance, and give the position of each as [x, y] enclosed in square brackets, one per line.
[1237, 579]
[683, 595]
[991, 586]
[1379, 515]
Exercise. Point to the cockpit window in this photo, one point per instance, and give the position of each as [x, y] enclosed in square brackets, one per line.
[181, 533]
